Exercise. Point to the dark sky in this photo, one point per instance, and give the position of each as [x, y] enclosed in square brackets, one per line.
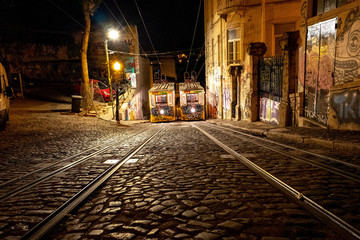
[170, 23]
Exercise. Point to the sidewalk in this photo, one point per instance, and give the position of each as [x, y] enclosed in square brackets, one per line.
[333, 139]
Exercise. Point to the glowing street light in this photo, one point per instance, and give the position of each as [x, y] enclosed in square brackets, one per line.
[112, 34]
[117, 66]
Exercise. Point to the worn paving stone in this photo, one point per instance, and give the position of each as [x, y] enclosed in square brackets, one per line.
[122, 236]
[207, 236]
[190, 213]
[235, 226]
[157, 208]
[72, 236]
[96, 232]
[200, 224]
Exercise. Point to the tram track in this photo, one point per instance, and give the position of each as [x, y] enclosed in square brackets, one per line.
[44, 226]
[19, 184]
[44, 155]
[331, 219]
[352, 171]
[96, 175]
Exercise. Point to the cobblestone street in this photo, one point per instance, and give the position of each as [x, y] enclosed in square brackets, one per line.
[180, 185]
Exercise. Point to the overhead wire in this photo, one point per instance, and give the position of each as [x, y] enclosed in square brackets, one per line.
[132, 32]
[192, 42]
[153, 54]
[66, 13]
[147, 32]
[223, 33]
[200, 53]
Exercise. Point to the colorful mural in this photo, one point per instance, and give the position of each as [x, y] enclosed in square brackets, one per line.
[320, 53]
[347, 64]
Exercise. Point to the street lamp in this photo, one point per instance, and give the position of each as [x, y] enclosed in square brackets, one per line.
[112, 34]
[117, 67]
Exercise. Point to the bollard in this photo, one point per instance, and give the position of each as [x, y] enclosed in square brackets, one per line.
[75, 103]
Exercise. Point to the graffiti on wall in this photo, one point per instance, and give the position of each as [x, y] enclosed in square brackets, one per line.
[212, 103]
[212, 91]
[227, 98]
[347, 65]
[347, 106]
[301, 69]
[320, 53]
[269, 110]
[245, 99]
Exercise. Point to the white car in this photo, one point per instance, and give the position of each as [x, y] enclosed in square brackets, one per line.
[5, 94]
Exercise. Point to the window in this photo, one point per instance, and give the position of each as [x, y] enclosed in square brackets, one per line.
[192, 98]
[234, 46]
[322, 6]
[161, 99]
[279, 30]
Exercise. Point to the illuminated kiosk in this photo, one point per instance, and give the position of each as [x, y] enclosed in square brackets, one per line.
[162, 102]
[192, 101]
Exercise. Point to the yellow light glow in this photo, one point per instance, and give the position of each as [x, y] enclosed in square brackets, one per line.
[113, 34]
[117, 66]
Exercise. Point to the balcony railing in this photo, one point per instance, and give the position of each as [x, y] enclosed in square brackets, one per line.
[227, 6]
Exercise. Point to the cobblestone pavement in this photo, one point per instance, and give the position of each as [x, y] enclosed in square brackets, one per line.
[180, 186]
[190, 191]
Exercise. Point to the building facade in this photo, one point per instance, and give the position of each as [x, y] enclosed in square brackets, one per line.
[238, 34]
[286, 62]
[329, 64]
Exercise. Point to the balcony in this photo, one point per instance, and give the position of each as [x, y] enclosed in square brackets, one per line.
[228, 6]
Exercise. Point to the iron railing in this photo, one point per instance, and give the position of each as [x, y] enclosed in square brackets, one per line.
[271, 77]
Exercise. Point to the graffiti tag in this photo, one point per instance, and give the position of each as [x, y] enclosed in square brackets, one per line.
[347, 106]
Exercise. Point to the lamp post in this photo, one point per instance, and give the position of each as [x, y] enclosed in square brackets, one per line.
[112, 34]
[117, 67]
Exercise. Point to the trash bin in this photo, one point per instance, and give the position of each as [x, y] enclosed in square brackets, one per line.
[75, 103]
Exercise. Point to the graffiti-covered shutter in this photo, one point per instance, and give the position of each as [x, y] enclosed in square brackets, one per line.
[319, 76]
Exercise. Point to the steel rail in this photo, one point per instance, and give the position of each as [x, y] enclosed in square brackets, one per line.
[337, 171]
[345, 229]
[44, 226]
[33, 183]
[48, 166]
[57, 162]
[293, 148]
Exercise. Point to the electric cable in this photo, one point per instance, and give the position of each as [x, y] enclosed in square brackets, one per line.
[147, 32]
[192, 42]
[132, 32]
[66, 13]
[197, 60]
[223, 33]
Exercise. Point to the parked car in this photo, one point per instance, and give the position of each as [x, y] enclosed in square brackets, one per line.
[6, 93]
[101, 90]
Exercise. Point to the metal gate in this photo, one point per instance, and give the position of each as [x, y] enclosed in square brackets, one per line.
[270, 87]
[319, 71]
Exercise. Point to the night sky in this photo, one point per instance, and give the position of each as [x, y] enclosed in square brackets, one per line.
[170, 23]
